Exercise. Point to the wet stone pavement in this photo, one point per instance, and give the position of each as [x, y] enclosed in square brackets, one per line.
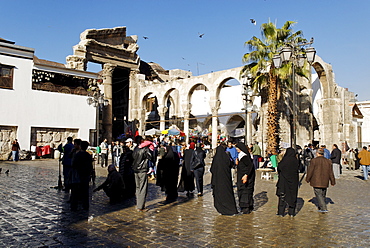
[33, 214]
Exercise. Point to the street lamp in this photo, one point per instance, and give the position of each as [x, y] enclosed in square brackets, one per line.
[96, 99]
[296, 53]
[248, 105]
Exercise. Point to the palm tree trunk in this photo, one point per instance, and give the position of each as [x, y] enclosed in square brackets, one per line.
[272, 113]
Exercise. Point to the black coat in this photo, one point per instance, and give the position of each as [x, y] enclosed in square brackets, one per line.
[82, 162]
[336, 156]
[141, 158]
[245, 190]
[287, 185]
[127, 173]
[113, 186]
[187, 175]
[168, 172]
[223, 193]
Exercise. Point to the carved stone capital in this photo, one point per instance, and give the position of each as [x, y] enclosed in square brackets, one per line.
[162, 110]
[76, 62]
[215, 107]
[108, 70]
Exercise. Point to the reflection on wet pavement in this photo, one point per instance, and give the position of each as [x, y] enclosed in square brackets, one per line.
[33, 214]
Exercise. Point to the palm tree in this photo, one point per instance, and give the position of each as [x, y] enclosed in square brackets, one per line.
[265, 76]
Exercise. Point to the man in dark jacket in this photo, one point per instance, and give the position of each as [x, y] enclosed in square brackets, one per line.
[320, 172]
[113, 186]
[141, 156]
[81, 170]
[336, 156]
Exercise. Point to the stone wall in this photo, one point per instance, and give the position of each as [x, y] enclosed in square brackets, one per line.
[42, 136]
[7, 135]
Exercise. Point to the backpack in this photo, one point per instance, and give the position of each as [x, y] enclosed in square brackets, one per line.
[196, 162]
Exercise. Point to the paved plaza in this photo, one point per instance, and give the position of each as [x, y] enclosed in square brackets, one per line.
[34, 214]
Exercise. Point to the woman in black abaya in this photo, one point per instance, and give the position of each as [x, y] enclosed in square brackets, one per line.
[168, 169]
[187, 176]
[223, 194]
[245, 179]
[287, 185]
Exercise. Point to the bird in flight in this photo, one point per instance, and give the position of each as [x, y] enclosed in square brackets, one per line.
[145, 37]
[200, 35]
[253, 21]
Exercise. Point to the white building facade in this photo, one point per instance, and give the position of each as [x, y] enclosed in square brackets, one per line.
[32, 110]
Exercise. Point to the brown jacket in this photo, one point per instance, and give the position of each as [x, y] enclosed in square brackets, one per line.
[320, 172]
[364, 157]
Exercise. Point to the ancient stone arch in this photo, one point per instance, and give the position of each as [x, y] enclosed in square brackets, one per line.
[116, 51]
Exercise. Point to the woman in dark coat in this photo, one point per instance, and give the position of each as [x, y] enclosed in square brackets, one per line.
[223, 193]
[199, 168]
[187, 175]
[168, 170]
[287, 185]
[246, 176]
[127, 173]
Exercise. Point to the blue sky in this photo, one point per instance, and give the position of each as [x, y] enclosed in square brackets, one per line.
[339, 27]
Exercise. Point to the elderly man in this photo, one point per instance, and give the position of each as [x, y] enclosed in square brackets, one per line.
[319, 173]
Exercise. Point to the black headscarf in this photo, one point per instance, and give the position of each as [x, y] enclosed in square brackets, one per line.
[223, 194]
[243, 148]
[288, 177]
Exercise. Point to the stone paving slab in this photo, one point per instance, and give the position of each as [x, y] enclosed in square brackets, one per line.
[33, 214]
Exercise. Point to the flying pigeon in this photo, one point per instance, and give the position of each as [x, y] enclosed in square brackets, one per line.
[7, 172]
[200, 35]
[253, 21]
[145, 37]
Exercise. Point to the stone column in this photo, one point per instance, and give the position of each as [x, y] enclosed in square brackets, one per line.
[187, 109]
[108, 110]
[248, 135]
[141, 124]
[162, 114]
[134, 83]
[214, 108]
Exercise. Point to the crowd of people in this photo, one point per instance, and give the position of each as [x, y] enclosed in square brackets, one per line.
[178, 167]
[134, 162]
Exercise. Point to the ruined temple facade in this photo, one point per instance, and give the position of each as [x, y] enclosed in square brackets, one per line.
[138, 91]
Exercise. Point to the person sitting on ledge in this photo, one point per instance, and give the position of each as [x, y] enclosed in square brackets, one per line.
[113, 185]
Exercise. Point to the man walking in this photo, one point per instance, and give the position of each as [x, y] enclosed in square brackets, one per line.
[104, 153]
[140, 166]
[336, 156]
[319, 173]
[364, 156]
[256, 152]
[116, 151]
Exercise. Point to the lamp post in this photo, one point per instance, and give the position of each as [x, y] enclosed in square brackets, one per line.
[296, 53]
[248, 105]
[97, 100]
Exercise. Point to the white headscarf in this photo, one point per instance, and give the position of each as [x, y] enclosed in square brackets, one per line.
[241, 155]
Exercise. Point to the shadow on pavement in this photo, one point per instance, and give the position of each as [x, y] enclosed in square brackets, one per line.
[314, 201]
[260, 199]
